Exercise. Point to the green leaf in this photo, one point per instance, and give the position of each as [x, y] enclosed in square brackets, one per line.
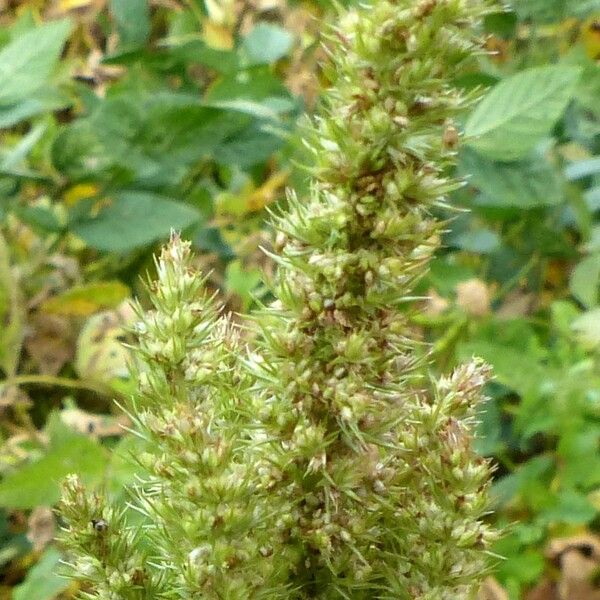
[134, 219]
[585, 280]
[38, 483]
[43, 581]
[12, 114]
[526, 184]
[514, 369]
[520, 111]
[569, 507]
[11, 314]
[87, 299]
[266, 44]
[551, 11]
[28, 61]
[133, 21]
[481, 241]
[242, 281]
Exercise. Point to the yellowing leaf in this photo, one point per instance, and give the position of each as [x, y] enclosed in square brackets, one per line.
[87, 299]
[74, 4]
[266, 193]
[249, 198]
[101, 355]
[217, 36]
[78, 192]
[590, 35]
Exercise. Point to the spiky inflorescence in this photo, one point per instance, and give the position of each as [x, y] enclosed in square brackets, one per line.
[326, 464]
[203, 534]
[381, 491]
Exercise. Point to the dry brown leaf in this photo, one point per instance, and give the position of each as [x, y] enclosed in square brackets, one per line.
[578, 559]
[50, 342]
[492, 590]
[516, 304]
[41, 527]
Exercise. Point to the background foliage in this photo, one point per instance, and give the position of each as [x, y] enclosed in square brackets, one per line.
[121, 119]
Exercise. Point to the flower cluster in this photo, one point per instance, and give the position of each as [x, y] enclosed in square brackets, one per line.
[321, 462]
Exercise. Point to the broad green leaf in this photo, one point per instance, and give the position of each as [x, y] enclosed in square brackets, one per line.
[28, 61]
[151, 142]
[585, 281]
[43, 581]
[520, 111]
[39, 217]
[248, 147]
[87, 299]
[134, 219]
[570, 507]
[133, 21]
[526, 184]
[512, 368]
[12, 114]
[38, 483]
[266, 44]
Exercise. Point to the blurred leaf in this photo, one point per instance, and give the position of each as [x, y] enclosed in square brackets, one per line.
[525, 184]
[489, 431]
[569, 507]
[20, 152]
[101, 354]
[134, 219]
[39, 217]
[514, 369]
[588, 87]
[248, 147]
[39, 102]
[266, 43]
[583, 168]
[87, 299]
[43, 581]
[520, 111]
[37, 483]
[133, 21]
[585, 281]
[554, 10]
[28, 61]
[242, 281]
[11, 315]
[502, 23]
[482, 240]
[509, 487]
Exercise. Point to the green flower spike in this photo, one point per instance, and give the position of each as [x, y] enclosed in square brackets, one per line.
[323, 461]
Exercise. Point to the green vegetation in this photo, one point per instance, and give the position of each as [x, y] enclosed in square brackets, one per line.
[120, 120]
